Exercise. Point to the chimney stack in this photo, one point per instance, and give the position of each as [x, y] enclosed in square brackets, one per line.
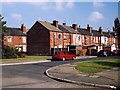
[23, 28]
[100, 30]
[55, 23]
[89, 28]
[74, 26]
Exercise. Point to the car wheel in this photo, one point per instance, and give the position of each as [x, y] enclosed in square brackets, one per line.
[73, 58]
[106, 55]
[63, 59]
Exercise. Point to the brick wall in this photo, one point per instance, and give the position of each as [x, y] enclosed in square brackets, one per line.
[56, 39]
[38, 40]
[18, 42]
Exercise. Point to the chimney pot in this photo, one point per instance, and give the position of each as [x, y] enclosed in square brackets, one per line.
[64, 23]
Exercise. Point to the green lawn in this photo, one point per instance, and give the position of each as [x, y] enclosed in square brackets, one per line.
[27, 58]
[97, 65]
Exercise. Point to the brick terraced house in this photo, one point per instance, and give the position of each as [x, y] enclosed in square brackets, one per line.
[43, 36]
[16, 37]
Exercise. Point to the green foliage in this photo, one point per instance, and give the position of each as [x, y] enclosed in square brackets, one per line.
[9, 52]
[116, 25]
[2, 25]
[79, 53]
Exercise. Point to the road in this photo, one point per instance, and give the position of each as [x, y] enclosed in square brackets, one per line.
[32, 76]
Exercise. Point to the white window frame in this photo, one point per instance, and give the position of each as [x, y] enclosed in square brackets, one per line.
[24, 39]
[82, 38]
[9, 39]
[97, 39]
[24, 48]
[65, 37]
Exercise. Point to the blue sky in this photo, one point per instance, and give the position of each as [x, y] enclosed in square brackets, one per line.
[95, 14]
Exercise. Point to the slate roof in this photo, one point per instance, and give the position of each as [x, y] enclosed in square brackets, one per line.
[14, 32]
[106, 34]
[49, 26]
[112, 34]
[67, 29]
[83, 31]
[96, 33]
[63, 29]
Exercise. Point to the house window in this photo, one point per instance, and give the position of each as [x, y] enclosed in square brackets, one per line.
[55, 35]
[97, 39]
[79, 38]
[94, 39]
[85, 37]
[82, 38]
[65, 37]
[60, 36]
[105, 40]
[24, 48]
[9, 39]
[114, 40]
[24, 39]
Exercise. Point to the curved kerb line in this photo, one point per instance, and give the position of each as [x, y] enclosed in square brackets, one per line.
[79, 83]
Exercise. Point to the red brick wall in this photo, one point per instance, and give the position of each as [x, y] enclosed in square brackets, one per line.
[16, 40]
[55, 41]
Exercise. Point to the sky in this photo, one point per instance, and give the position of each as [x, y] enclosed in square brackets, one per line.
[94, 13]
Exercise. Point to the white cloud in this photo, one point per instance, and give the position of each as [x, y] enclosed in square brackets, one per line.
[70, 4]
[61, 5]
[95, 16]
[42, 5]
[16, 16]
[97, 4]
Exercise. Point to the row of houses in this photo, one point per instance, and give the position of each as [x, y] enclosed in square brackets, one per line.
[45, 37]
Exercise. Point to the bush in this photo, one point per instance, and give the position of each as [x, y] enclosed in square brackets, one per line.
[9, 52]
[79, 53]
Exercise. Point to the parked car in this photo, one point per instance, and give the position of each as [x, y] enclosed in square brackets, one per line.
[105, 53]
[63, 55]
[117, 52]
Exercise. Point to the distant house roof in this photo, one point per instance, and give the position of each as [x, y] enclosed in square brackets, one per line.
[83, 31]
[96, 33]
[107, 34]
[67, 29]
[49, 26]
[112, 33]
[14, 32]
[63, 29]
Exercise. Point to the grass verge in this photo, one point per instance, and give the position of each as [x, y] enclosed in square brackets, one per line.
[97, 65]
[27, 58]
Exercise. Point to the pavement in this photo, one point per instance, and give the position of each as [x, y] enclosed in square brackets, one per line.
[107, 79]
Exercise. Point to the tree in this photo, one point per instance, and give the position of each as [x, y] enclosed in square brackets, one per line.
[2, 25]
[2, 31]
[116, 28]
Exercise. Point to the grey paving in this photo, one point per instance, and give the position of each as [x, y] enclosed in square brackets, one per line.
[108, 78]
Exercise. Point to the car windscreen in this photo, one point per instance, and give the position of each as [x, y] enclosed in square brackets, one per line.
[55, 53]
